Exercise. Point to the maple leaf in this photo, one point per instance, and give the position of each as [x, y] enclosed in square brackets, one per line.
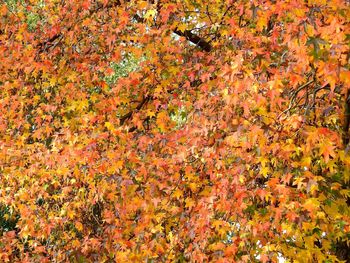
[163, 121]
[327, 150]
[311, 204]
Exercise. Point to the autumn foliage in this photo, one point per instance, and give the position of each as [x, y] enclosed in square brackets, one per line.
[174, 131]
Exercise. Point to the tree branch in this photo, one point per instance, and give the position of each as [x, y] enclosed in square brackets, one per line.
[193, 38]
[346, 136]
[130, 113]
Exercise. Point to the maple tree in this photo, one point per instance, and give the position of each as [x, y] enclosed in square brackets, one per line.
[174, 131]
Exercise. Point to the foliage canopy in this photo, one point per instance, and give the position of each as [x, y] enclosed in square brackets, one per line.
[174, 131]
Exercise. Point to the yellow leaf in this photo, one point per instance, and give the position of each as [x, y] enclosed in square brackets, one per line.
[76, 243]
[150, 14]
[311, 204]
[79, 226]
[150, 113]
[193, 187]
[306, 161]
[189, 203]
[182, 27]
[177, 193]
[162, 120]
[109, 126]
[206, 191]
[261, 23]
[264, 171]
[71, 214]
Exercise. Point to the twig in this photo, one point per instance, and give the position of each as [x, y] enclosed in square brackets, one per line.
[292, 100]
